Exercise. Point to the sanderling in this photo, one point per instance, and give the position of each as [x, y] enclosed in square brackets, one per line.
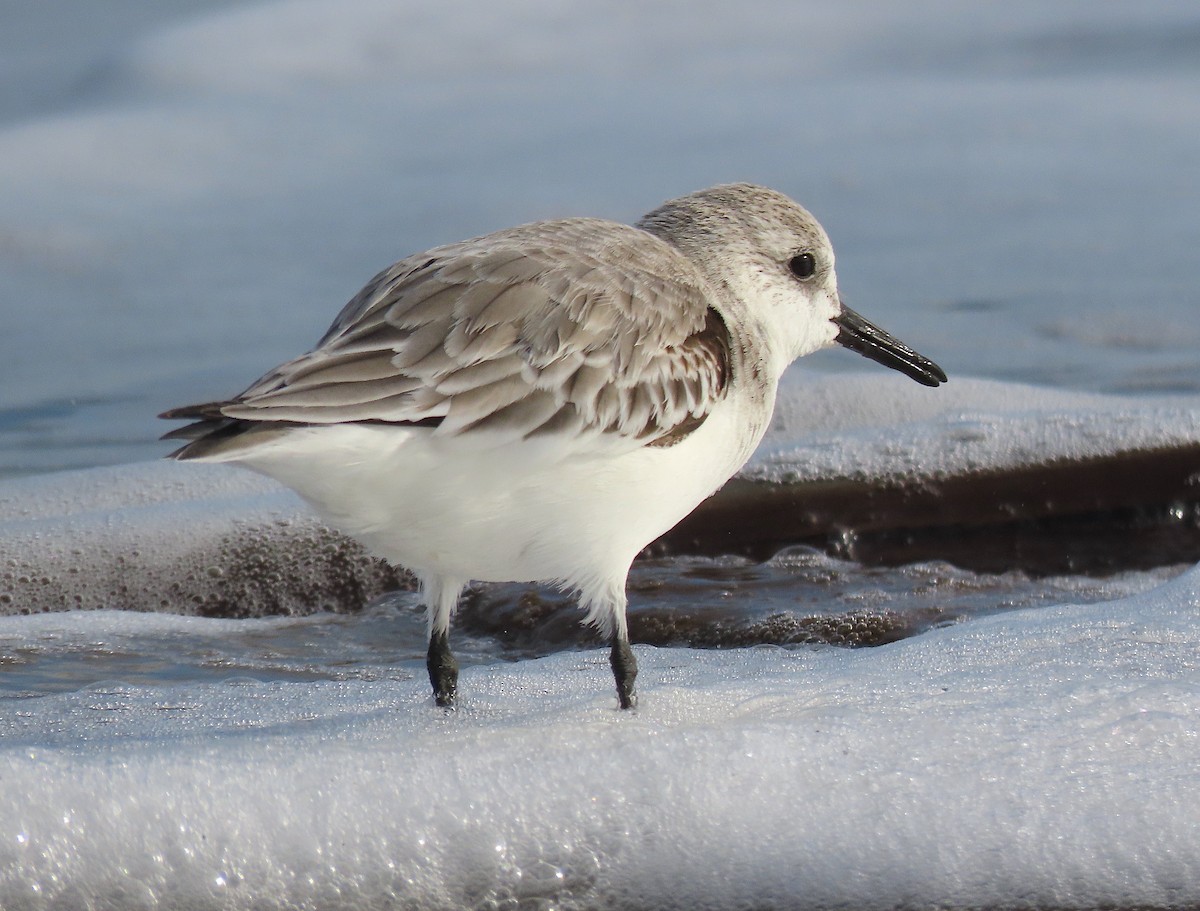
[540, 403]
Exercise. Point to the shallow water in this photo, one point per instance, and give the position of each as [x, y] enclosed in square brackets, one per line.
[799, 598]
[1009, 200]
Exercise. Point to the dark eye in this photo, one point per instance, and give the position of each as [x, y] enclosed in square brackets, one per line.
[803, 265]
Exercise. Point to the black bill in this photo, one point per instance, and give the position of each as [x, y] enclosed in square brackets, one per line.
[861, 335]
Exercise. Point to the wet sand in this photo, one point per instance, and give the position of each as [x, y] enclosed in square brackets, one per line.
[1129, 510]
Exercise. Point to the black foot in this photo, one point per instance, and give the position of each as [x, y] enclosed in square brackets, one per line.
[443, 670]
[624, 667]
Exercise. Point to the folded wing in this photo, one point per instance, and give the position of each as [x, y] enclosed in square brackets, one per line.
[564, 327]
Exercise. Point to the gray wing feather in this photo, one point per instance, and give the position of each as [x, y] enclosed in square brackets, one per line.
[557, 327]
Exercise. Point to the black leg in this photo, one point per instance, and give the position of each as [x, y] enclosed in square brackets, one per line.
[443, 669]
[624, 667]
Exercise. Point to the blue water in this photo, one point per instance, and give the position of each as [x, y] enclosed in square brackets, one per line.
[190, 198]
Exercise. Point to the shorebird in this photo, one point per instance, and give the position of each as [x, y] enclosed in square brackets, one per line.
[540, 403]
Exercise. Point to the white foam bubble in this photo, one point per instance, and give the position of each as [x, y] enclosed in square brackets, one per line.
[1043, 756]
[873, 426]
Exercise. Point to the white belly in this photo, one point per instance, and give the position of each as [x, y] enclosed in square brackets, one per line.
[540, 510]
